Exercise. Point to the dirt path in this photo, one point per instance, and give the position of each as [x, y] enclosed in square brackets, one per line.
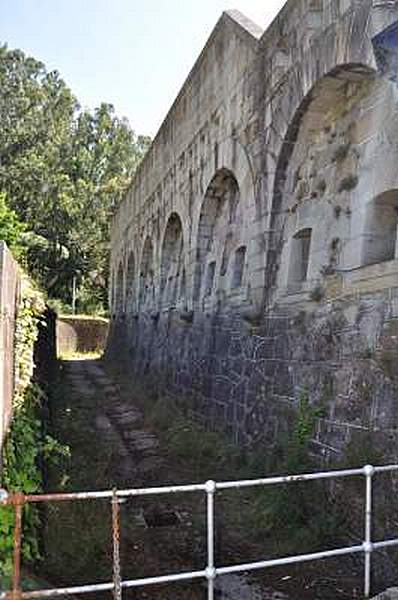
[112, 445]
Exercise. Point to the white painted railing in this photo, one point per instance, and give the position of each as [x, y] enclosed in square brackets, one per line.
[211, 571]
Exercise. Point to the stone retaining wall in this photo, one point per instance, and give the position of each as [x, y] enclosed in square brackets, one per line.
[79, 334]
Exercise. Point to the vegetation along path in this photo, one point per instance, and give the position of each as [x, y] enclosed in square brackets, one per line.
[115, 436]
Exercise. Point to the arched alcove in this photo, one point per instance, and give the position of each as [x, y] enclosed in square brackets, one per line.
[381, 223]
[239, 267]
[317, 174]
[147, 283]
[119, 290]
[300, 257]
[130, 283]
[219, 231]
[172, 275]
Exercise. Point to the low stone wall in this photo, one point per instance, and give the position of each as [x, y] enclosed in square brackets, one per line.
[81, 334]
[9, 297]
[14, 303]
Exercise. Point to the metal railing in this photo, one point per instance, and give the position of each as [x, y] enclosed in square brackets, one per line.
[211, 571]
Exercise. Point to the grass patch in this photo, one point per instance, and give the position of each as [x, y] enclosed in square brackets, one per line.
[83, 527]
[293, 518]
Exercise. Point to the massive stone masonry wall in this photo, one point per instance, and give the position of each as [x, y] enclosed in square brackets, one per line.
[255, 255]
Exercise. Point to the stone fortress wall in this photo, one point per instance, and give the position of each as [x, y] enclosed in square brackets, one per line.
[256, 254]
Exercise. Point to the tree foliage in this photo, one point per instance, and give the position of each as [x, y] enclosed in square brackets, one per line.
[64, 171]
[12, 229]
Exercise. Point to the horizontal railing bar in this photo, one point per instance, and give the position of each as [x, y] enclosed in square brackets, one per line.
[104, 587]
[176, 489]
[386, 468]
[288, 479]
[219, 571]
[51, 593]
[385, 544]
[68, 496]
[289, 560]
[163, 579]
[173, 489]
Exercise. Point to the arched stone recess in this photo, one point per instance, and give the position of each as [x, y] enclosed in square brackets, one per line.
[236, 155]
[326, 173]
[380, 230]
[119, 290]
[295, 88]
[131, 284]
[146, 300]
[220, 275]
[173, 277]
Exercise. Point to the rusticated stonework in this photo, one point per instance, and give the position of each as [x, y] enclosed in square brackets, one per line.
[256, 253]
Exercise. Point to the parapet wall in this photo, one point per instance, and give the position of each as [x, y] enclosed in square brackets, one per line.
[19, 297]
[9, 298]
[80, 334]
[256, 255]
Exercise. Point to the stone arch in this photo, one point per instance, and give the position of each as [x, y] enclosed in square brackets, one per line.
[147, 279]
[238, 267]
[327, 93]
[219, 230]
[381, 224]
[119, 288]
[172, 271]
[319, 61]
[317, 168]
[130, 291]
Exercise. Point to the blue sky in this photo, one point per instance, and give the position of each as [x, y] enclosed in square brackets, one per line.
[134, 54]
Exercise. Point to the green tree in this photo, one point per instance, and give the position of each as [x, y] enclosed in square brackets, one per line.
[11, 228]
[65, 171]
[104, 155]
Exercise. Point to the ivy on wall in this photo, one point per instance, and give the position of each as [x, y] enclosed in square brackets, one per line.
[26, 446]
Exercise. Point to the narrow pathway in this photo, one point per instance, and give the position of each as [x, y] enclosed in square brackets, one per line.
[112, 447]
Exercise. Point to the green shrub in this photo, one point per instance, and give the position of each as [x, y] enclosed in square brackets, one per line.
[26, 443]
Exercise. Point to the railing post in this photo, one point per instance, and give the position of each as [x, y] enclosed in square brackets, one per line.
[117, 586]
[19, 501]
[369, 471]
[210, 570]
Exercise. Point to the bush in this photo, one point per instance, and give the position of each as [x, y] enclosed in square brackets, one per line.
[26, 444]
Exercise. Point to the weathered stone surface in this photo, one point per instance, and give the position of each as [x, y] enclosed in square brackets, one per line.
[255, 254]
[81, 334]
